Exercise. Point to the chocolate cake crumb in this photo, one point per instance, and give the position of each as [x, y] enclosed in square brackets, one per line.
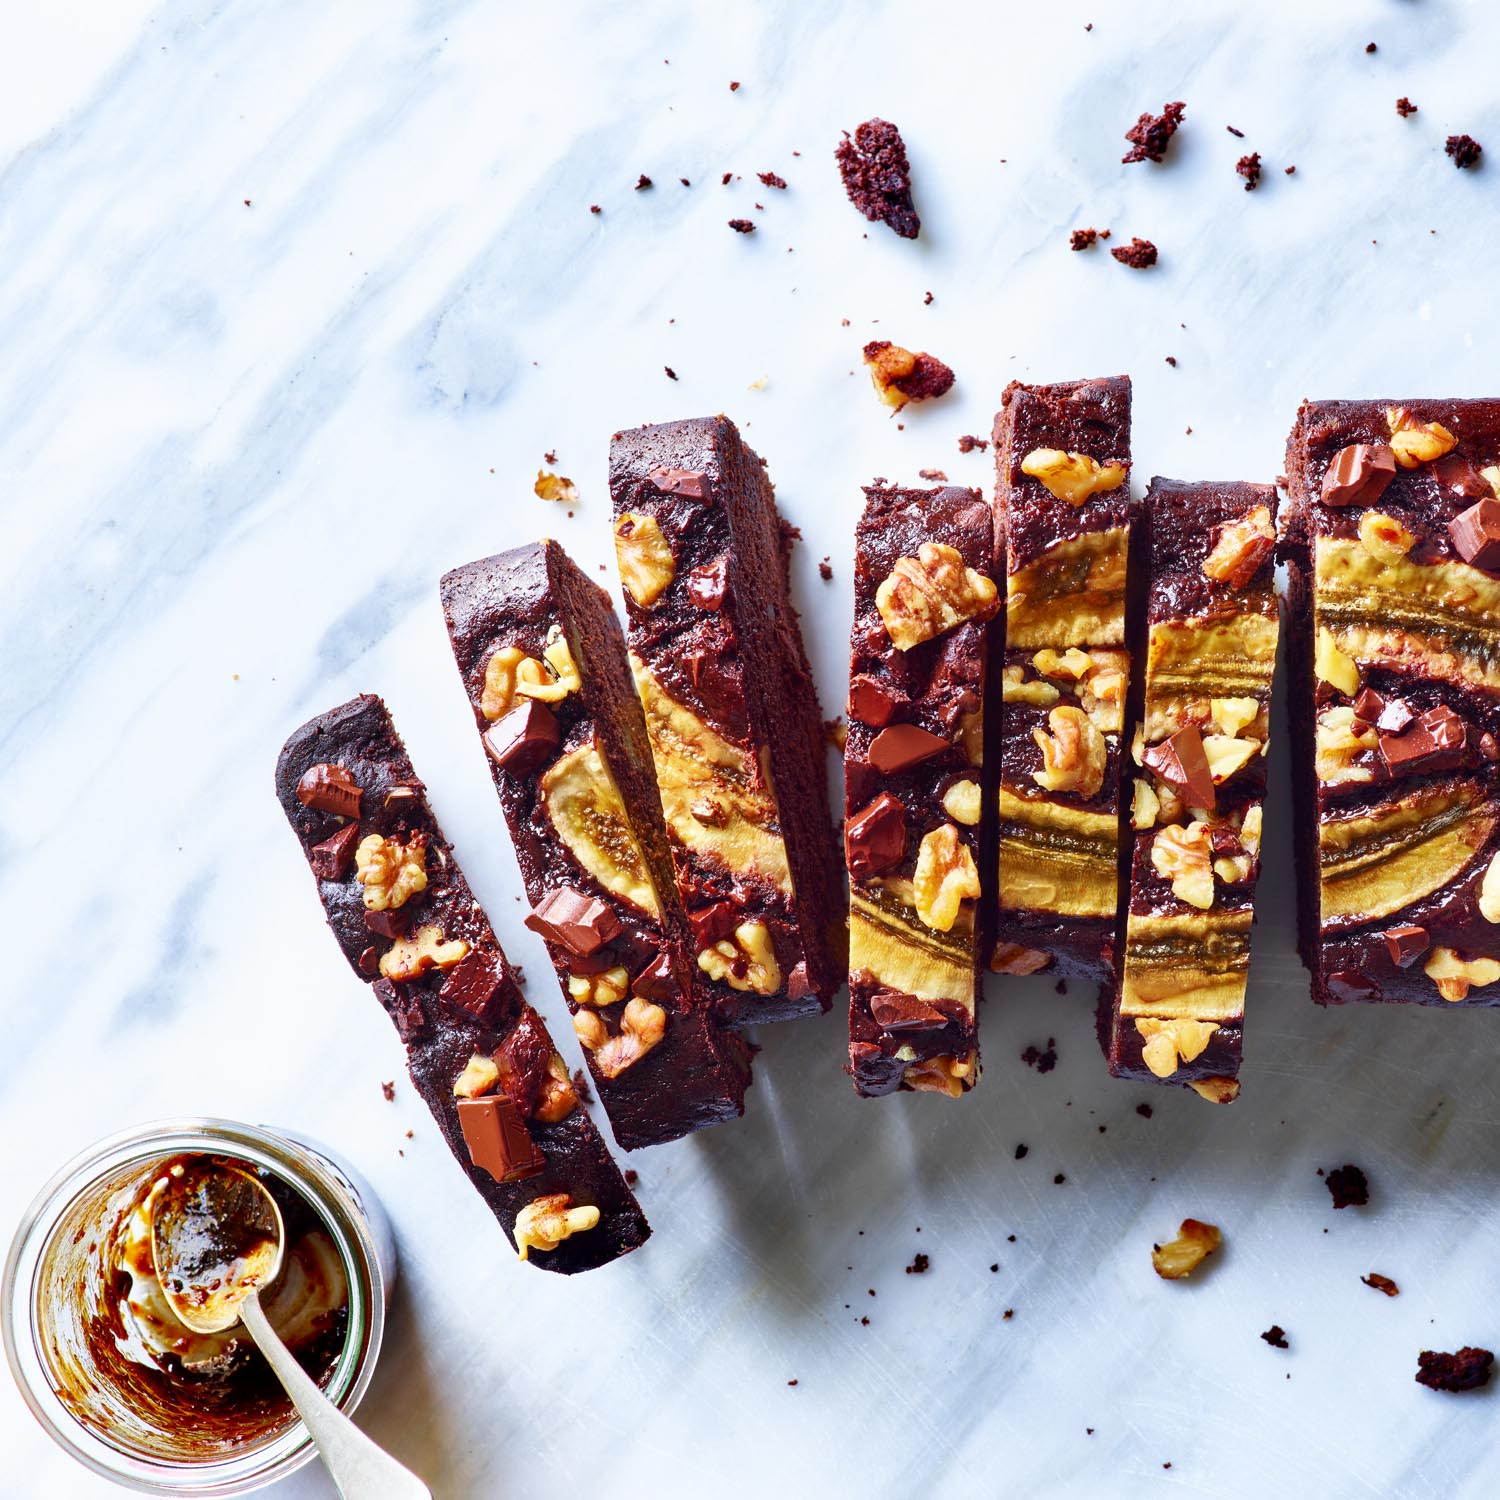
[742, 226]
[825, 571]
[877, 176]
[1061, 987]
[1021, 1151]
[725, 179]
[772, 180]
[901, 376]
[1465, 1371]
[1150, 134]
[1138, 254]
[919, 1264]
[1144, 1111]
[1007, 1315]
[1290, 171]
[1081, 239]
[631, 1177]
[1249, 168]
[1371, 47]
[935, 475]
[1381, 1284]
[581, 1086]
[643, 182]
[927, 299]
[734, 87]
[1349, 1187]
[1042, 1061]
[1464, 150]
[671, 373]
[1405, 108]
[1275, 1336]
[968, 443]
[1059, 1178]
[995, 1266]
[1238, 133]
[388, 1090]
[549, 457]
[595, 209]
[1172, 360]
[791, 1382]
[684, 182]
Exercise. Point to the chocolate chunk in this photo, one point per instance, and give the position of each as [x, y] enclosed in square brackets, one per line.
[711, 924]
[524, 738]
[581, 924]
[1465, 1371]
[903, 746]
[1488, 748]
[393, 922]
[1351, 985]
[1180, 762]
[1394, 716]
[1407, 944]
[678, 481]
[1460, 477]
[657, 981]
[872, 702]
[404, 1006]
[524, 1060]
[497, 1138]
[1369, 705]
[707, 585]
[798, 985]
[330, 789]
[1359, 474]
[1349, 1186]
[875, 838]
[369, 960]
[331, 859]
[1476, 534]
[718, 688]
[476, 986]
[898, 1012]
[1434, 741]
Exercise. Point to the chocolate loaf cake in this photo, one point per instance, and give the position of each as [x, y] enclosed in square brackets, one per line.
[1176, 1011]
[1064, 518]
[543, 661]
[479, 1056]
[913, 767]
[732, 716]
[1392, 545]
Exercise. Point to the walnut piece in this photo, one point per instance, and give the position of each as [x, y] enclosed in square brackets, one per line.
[425, 949]
[932, 593]
[1167, 1042]
[747, 963]
[1072, 664]
[1216, 1090]
[945, 878]
[1013, 958]
[510, 674]
[1415, 443]
[1455, 976]
[963, 803]
[550, 486]
[642, 1026]
[1227, 755]
[1489, 891]
[1145, 805]
[1074, 477]
[647, 565]
[608, 988]
[940, 1075]
[1332, 666]
[1491, 476]
[1073, 754]
[1181, 855]
[479, 1076]
[391, 872]
[1384, 537]
[1339, 737]
[1230, 715]
[1195, 1242]
[547, 1221]
[1015, 689]
[900, 376]
[1241, 547]
[559, 1098]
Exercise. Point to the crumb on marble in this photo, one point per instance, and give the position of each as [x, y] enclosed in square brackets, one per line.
[1151, 134]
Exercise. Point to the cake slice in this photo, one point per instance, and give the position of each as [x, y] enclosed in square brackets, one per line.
[732, 716]
[543, 661]
[1176, 1013]
[1392, 546]
[1065, 517]
[478, 1055]
[913, 769]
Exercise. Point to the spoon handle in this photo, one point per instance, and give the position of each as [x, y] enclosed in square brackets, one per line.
[360, 1469]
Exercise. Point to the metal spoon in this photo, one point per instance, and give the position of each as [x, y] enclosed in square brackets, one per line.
[217, 1240]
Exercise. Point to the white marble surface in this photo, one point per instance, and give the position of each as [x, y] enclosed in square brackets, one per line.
[238, 444]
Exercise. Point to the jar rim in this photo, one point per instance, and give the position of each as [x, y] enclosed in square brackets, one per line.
[329, 1187]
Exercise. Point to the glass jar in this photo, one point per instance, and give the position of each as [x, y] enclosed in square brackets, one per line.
[54, 1275]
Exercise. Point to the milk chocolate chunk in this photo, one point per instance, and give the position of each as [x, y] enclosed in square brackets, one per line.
[1359, 474]
[498, 1140]
[393, 922]
[1368, 706]
[369, 960]
[903, 746]
[476, 986]
[875, 839]
[1407, 944]
[582, 924]
[1180, 761]
[1458, 476]
[1434, 741]
[1350, 984]
[1395, 714]
[897, 1012]
[330, 789]
[872, 702]
[1476, 534]
[331, 859]
[525, 737]
[656, 981]
[673, 481]
[711, 924]
[798, 984]
[707, 585]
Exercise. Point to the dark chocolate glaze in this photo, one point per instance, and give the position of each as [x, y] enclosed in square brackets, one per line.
[742, 668]
[1420, 502]
[698, 1073]
[439, 1040]
[934, 685]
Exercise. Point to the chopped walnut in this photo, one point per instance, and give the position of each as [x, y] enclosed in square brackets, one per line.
[1332, 666]
[1227, 755]
[510, 674]
[479, 1076]
[1015, 689]
[1181, 855]
[607, 988]
[1416, 443]
[901, 376]
[642, 1026]
[747, 963]
[558, 1098]
[547, 1221]
[945, 878]
[932, 593]
[647, 564]
[1489, 891]
[964, 803]
[1491, 476]
[1384, 537]
[1072, 664]
[1230, 715]
[940, 1075]
[1339, 737]
[1074, 477]
[1101, 694]
[1455, 976]
[551, 486]
[1195, 1242]
[1073, 754]
[1013, 958]
[1165, 1042]
[1242, 546]
[1145, 805]
[425, 949]
[391, 872]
